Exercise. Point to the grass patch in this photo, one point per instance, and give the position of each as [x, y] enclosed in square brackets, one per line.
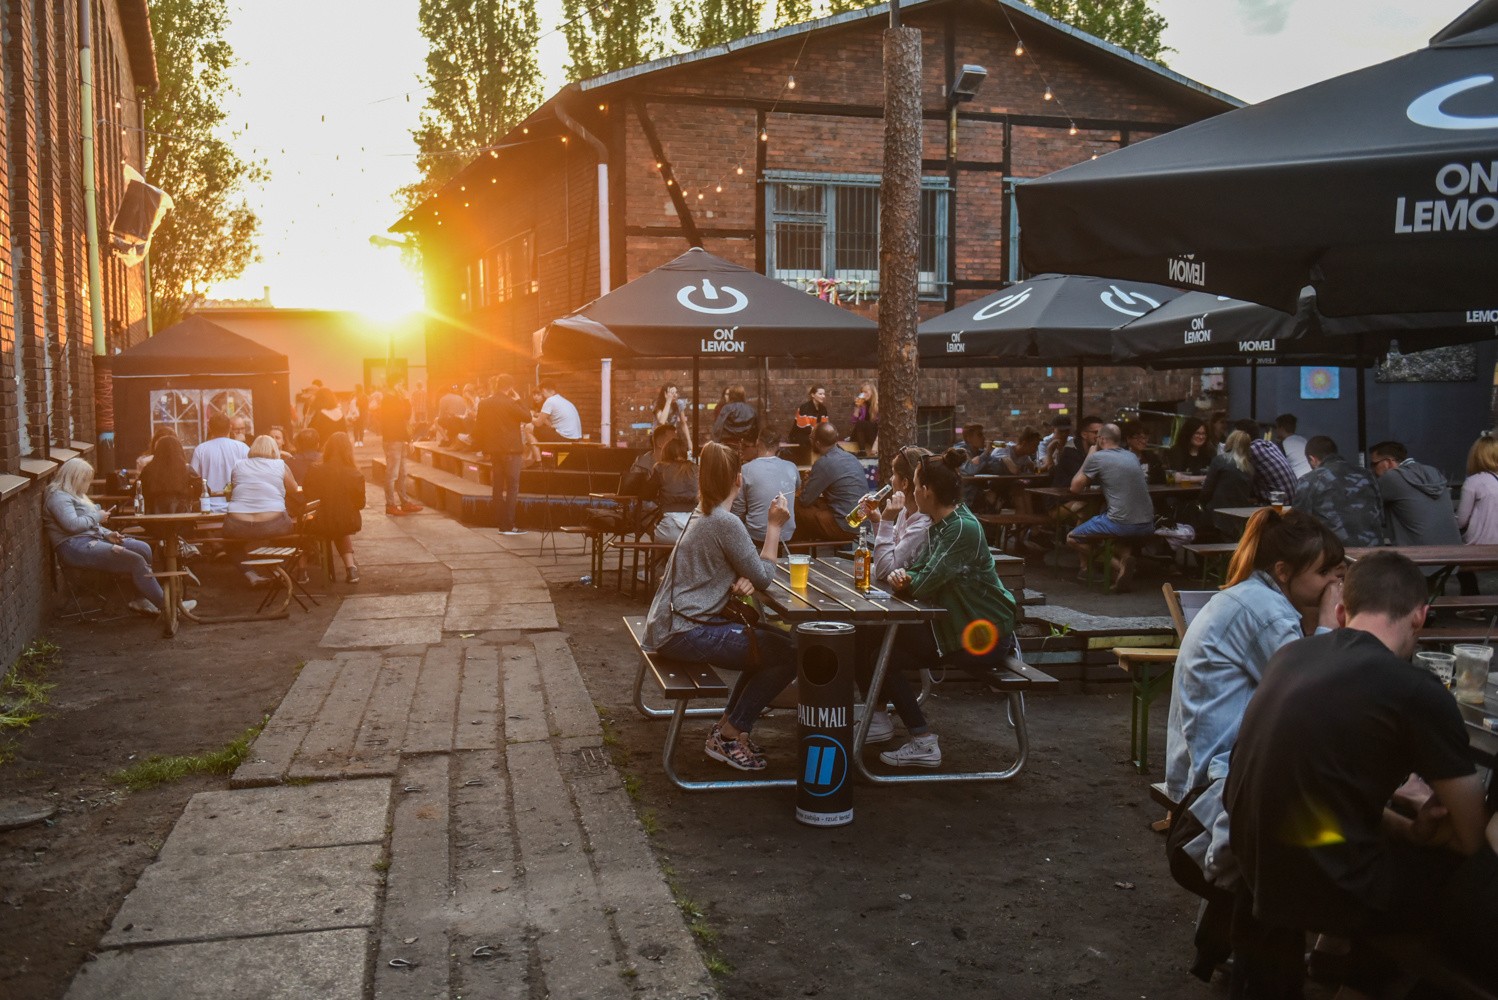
[159, 770]
[632, 785]
[649, 822]
[719, 967]
[382, 865]
[24, 691]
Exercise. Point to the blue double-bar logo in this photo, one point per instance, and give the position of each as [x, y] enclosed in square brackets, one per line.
[826, 765]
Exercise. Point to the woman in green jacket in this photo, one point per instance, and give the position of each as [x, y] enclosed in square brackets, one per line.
[956, 572]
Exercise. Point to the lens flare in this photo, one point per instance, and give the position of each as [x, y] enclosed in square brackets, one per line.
[980, 637]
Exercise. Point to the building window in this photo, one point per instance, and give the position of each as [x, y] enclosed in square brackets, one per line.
[186, 412]
[825, 227]
[504, 272]
[935, 427]
[1013, 271]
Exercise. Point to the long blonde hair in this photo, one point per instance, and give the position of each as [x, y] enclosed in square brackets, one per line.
[1236, 447]
[1484, 455]
[873, 391]
[73, 478]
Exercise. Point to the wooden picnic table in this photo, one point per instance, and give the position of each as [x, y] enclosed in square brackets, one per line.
[1472, 556]
[831, 596]
[1095, 492]
[1240, 512]
[1482, 737]
[167, 529]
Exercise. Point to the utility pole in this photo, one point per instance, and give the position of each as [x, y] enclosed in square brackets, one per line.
[899, 235]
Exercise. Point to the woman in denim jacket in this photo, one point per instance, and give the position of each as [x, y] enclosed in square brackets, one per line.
[75, 527]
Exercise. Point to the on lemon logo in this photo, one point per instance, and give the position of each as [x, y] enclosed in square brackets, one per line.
[1426, 109]
[1000, 306]
[710, 294]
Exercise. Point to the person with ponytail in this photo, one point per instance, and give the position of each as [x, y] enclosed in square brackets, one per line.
[714, 561]
[956, 572]
[1284, 582]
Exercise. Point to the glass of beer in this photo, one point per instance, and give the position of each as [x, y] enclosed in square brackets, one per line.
[800, 569]
[1472, 661]
[1443, 665]
[1277, 501]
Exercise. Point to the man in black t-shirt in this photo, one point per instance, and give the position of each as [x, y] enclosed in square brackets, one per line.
[1337, 726]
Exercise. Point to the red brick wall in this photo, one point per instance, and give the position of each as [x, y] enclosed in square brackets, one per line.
[706, 117]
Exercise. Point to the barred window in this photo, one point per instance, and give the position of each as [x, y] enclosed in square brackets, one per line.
[826, 227]
[186, 412]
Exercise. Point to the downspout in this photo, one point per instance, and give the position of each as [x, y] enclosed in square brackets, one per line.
[103, 364]
[605, 283]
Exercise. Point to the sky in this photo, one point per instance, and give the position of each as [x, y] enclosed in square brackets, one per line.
[328, 101]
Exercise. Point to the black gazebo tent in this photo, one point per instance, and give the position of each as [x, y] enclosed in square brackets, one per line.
[185, 372]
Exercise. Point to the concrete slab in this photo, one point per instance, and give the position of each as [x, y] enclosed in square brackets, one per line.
[404, 551]
[498, 595]
[485, 560]
[273, 819]
[434, 706]
[381, 632]
[277, 744]
[329, 742]
[478, 724]
[362, 607]
[516, 616]
[525, 701]
[568, 704]
[328, 965]
[488, 906]
[191, 898]
[383, 729]
[413, 924]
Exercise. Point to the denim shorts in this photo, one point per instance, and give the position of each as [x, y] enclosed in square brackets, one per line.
[1102, 524]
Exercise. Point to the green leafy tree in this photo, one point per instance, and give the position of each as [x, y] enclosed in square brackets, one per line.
[1130, 24]
[713, 22]
[210, 235]
[792, 12]
[609, 35]
[482, 80]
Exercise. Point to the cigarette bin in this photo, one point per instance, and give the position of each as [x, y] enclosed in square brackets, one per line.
[824, 717]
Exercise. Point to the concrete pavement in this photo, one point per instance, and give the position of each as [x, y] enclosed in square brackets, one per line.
[429, 813]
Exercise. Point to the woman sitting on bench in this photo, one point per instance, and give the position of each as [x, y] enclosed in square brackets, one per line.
[713, 563]
[956, 571]
[75, 527]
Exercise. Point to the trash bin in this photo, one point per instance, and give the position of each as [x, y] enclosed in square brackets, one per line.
[824, 717]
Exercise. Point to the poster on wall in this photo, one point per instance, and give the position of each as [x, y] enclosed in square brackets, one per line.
[1320, 382]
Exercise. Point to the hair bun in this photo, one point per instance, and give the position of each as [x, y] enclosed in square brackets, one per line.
[954, 458]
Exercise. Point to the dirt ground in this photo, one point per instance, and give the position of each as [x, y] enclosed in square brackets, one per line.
[1049, 886]
[124, 694]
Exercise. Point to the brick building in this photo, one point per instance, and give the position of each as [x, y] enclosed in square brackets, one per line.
[767, 152]
[47, 363]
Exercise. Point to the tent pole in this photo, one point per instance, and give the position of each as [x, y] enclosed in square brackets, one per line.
[1253, 388]
[1079, 405]
[696, 402]
[1362, 373]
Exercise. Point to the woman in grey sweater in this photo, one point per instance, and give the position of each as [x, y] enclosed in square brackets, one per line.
[714, 561]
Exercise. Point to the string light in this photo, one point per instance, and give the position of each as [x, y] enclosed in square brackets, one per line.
[764, 135]
[1019, 47]
[739, 171]
[1048, 95]
[1073, 129]
[791, 83]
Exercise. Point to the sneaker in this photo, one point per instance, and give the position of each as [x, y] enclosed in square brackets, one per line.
[921, 751]
[411, 508]
[394, 510]
[189, 605]
[141, 606]
[744, 738]
[734, 753]
[514, 531]
[881, 729]
[353, 574]
[255, 579]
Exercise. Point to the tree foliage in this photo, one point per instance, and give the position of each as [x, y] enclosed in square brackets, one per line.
[482, 80]
[609, 35]
[792, 12]
[713, 22]
[210, 235]
[1130, 24]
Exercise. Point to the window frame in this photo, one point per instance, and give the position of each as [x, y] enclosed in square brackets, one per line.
[933, 285]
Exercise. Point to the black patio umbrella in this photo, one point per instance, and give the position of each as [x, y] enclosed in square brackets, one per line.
[1379, 188]
[700, 306]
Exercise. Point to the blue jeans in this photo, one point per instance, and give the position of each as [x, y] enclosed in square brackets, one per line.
[726, 645]
[505, 474]
[395, 473]
[131, 556]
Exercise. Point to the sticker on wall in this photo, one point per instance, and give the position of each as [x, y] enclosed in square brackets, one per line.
[1055, 406]
[1320, 383]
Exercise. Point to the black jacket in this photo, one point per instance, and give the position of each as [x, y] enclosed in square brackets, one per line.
[496, 429]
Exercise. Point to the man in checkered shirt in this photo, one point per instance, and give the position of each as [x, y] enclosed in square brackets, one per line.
[1272, 470]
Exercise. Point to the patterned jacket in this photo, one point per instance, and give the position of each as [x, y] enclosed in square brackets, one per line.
[1346, 500]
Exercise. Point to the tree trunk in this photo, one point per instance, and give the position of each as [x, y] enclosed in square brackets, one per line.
[899, 216]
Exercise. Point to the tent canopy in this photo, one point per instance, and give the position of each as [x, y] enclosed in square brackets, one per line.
[198, 346]
[701, 306]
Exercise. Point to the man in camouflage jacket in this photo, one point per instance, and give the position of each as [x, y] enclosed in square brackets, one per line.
[1342, 495]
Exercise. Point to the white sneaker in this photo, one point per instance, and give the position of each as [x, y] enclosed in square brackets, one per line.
[144, 607]
[921, 751]
[255, 579]
[189, 605]
[514, 531]
[881, 729]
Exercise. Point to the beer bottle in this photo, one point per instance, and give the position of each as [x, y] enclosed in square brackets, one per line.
[863, 563]
[857, 516]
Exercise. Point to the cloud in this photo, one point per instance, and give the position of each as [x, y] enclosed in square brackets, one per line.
[1264, 17]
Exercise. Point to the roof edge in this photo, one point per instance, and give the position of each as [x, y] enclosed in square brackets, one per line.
[135, 18]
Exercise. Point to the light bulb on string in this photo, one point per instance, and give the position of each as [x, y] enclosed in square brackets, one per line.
[1048, 95]
[719, 189]
[790, 84]
[700, 196]
[1073, 129]
[1019, 48]
[739, 171]
[764, 135]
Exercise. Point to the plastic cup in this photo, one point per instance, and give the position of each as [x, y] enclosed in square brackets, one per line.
[1443, 665]
[800, 570]
[1277, 501]
[1472, 662]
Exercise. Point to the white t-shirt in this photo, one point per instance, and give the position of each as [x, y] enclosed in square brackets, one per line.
[214, 460]
[564, 418]
[259, 486]
[1295, 451]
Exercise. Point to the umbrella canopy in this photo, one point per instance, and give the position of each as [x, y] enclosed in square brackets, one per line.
[1058, 318]
[1379, 188]
[1199, 330]
[701, 306]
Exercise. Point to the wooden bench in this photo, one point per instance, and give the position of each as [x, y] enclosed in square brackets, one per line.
[636, 548]
[1150, 671]
[592, 545]
[1212, 555]
[1012, 524]
[681, 683]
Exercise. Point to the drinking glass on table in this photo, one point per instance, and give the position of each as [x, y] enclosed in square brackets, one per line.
[1277, 500]
[1443, 665]
[1472, 662]
[800, 570]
